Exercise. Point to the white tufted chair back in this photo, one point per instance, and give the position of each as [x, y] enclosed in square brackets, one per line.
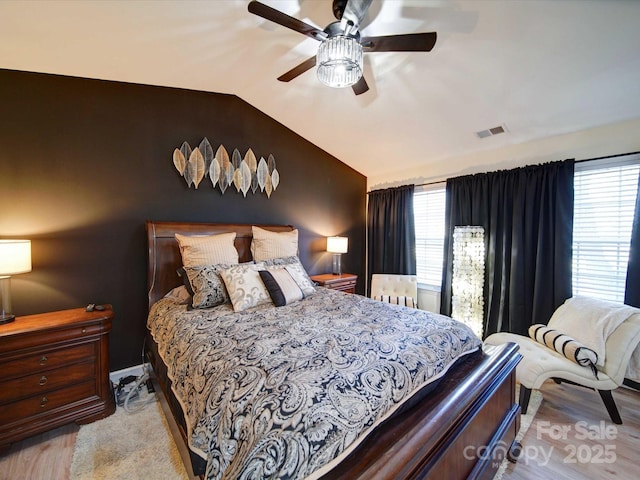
[394, 285]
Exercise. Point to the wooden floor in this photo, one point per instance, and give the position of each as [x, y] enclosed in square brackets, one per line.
[555, 446]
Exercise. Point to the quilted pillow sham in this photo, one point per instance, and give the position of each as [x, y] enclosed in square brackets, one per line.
[198, 250]
[266, 244]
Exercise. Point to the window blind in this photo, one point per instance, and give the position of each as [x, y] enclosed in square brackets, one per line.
[604, 204]
[428, 210]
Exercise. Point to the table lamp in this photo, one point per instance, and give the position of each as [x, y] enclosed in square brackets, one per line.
[337, 246]
[15, 258]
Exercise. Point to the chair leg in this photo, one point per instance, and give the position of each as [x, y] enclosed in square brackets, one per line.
[525, 395]
[607, 398]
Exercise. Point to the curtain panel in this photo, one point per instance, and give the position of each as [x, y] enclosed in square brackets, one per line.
[527, 215]
[632, 287]
[391, 231]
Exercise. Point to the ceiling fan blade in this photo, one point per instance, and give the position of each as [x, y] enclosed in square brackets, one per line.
[410, 42]
[360, 86]
[355, 10]
[285, 20]
[299, 70]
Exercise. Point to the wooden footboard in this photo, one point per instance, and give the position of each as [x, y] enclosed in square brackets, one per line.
[463, 429]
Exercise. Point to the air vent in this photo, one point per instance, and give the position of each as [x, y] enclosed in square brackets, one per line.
[491, 131]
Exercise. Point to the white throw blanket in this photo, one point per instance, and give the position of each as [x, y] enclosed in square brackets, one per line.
[590, 321]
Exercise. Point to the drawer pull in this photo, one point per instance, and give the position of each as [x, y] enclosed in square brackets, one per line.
[43, 360]
[84, 330]
[43, 402]
[42, 381]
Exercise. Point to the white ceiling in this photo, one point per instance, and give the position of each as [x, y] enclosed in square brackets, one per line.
[541, 68]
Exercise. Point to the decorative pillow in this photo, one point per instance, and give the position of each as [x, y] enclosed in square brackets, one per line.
[565, 345]
[244, 286]
[281, 286]
[200, 250]
[404, 301]
[205, 285]
[295, 269]
[267, 244]
[179, 295]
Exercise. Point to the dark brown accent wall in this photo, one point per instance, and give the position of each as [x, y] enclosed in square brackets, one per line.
[83, 163]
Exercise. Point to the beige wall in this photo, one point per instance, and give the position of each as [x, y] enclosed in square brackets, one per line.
[613, 139]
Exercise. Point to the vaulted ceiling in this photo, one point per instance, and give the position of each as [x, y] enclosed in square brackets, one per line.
[537, 67]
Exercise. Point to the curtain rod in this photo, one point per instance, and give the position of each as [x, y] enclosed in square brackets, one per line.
[577, 161]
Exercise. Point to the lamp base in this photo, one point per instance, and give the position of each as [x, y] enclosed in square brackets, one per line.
[7, 319]
[337, 264]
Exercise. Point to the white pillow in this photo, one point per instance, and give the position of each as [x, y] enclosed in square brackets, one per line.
[245, 288]
[198, 250]
[267, 244]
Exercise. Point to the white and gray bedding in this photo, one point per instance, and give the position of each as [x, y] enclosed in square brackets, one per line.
[287, 392]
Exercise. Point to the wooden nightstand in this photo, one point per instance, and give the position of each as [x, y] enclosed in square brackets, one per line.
[54, 369]
[345, 282]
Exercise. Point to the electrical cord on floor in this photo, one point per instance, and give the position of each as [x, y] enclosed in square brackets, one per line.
[134, 393]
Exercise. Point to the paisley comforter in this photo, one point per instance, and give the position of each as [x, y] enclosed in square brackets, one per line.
[287, 392]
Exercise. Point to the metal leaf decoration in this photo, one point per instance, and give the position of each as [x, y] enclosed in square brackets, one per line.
[214, 172]
[179, 161]
[185, 148]
[223, 183]
[237, 178]
[252, 163]
[236, 158]
[263, 173]
[246, 178]
[207, 153]
[223, 160]
[271, 163]
[244, 174]
[196, 167]
[268, 186]
[229, 174]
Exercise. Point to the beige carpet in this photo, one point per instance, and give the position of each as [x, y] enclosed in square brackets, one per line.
[128, 446]
[525, 423]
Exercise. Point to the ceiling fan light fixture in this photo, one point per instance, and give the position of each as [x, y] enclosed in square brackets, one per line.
[339, 60]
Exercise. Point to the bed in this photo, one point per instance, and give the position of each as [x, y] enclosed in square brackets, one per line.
[460, 425]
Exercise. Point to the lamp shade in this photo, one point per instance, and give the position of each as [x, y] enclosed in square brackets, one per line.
[337, 244]
[15, 257]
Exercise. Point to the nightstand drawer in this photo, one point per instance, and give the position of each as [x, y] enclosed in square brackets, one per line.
[43, 382]
[47, 360]
[43, 403]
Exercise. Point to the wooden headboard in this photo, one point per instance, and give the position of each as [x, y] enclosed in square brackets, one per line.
[164, 255]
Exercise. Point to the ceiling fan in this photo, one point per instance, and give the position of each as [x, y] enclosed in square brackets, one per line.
[339, 56]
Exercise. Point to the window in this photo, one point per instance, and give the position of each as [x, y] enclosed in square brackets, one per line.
[604, 203]
[428, 210]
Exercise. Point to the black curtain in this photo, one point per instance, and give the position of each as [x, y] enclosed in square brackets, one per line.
[391, 231]
[632, 288]
[527, 215]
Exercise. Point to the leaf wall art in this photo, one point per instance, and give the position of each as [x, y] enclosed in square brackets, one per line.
[244, 173]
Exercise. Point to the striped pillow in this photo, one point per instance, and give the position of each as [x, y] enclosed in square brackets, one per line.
[281, 286]
[404, 301]
[199, 250]
[565, 345]
[267, 244]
